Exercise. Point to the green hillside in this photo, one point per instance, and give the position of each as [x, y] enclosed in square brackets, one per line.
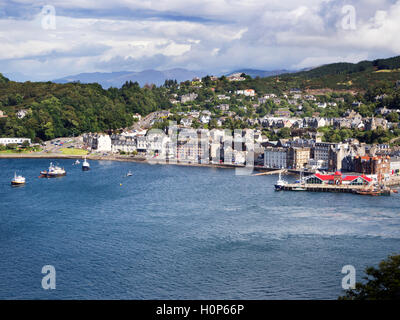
[3, 79]
[347, 76]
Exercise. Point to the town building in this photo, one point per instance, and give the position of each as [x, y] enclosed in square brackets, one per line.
[298, 157]
[7, 141]
[189, 97]
[276, 158]
[22, 113]
[378, 165]
[247, 92]
[120, 143]
[339, 179]
[98, 141]
[321, 153]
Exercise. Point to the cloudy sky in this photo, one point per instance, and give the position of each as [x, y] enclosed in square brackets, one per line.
[44, 40]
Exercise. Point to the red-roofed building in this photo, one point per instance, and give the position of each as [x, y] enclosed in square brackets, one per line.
[338, 179]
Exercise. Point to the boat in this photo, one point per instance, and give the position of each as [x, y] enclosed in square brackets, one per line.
[280, 184]
[77, 162]
[85, 165]
[54, 171]
[18, 180]
[374, 192]
[299, 189]
[129, 174]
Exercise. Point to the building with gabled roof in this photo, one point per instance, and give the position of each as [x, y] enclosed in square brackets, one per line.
[338, 179]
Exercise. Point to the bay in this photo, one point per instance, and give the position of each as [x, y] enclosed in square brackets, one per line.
[177, 232]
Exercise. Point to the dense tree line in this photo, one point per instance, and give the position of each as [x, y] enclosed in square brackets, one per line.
[56, 110]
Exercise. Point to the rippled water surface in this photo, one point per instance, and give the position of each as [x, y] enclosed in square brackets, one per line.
[172, 232]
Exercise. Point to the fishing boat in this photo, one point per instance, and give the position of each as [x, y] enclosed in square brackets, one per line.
[54, 171]
[18, 180]
[85, 165]
[280, 184]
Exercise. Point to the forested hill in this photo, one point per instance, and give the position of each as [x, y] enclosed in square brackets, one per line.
[56, 110]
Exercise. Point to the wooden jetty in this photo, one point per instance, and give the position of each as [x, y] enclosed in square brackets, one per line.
[322, 188]
[361, 190]
[270, 173]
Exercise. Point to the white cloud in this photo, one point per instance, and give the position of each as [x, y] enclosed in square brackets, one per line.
[212, 35]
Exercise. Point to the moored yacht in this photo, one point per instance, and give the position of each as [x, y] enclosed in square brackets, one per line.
[18, 180]
[85, 165]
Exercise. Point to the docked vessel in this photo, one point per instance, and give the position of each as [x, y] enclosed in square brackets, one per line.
[299, 189]
[77, 162]
[54, 171]
[280, 184]
[85, 165]
[18, 180]
[374, 192]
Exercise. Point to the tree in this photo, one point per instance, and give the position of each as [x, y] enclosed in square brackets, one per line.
[383, 283]
[284, 133]
[393, 117]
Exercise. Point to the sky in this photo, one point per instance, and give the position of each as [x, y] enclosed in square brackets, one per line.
[46, 40]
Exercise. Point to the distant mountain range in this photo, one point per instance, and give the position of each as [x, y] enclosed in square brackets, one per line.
[117, 79]
[261, 73]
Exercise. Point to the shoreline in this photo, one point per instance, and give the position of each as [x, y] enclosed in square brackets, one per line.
[124, 159]
[394, 181]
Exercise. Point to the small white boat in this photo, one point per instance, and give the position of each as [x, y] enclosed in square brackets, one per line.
[129, 174]
[18, 180]
[77, 162]
[85, 165]
[299, 189]
[280, 184]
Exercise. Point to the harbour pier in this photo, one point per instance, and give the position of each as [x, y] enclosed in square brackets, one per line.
[322, 188]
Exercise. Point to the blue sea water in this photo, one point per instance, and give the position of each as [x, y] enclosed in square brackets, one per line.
[171, 232]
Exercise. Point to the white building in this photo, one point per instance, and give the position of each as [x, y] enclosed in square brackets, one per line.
[205, 119]
[275, 158]
[99, 142]
[120, 143]
[7, 141]
[21, 113]
[247, 92]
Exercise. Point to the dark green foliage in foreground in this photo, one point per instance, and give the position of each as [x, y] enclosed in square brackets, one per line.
[382, 283]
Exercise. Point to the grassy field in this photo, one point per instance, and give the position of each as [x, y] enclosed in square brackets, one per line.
[15, 151]
[74, 152]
